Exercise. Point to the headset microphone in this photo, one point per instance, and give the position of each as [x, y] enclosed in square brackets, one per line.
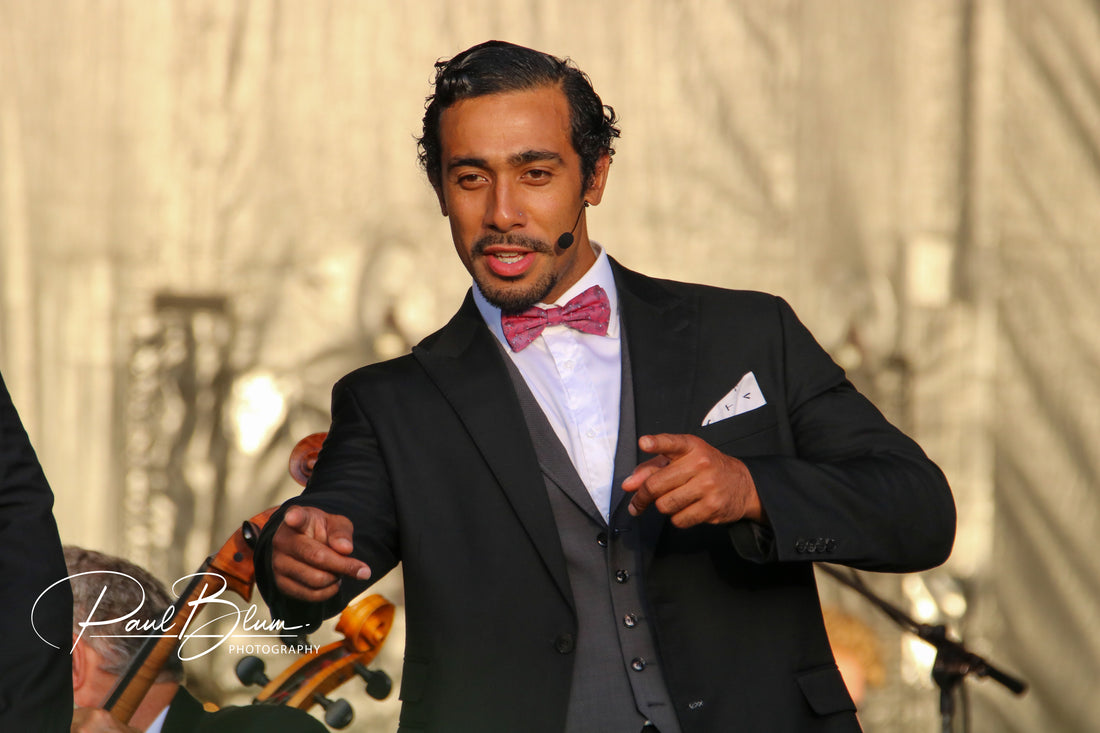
[565, 241]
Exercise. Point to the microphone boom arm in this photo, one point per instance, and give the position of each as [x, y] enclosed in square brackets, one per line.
[953, 660]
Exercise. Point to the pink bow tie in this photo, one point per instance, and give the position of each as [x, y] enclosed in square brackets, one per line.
[589, 312]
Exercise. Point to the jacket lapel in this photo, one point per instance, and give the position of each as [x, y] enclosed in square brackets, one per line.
[662, 344]
[184, 713]
[662, 347]
[465, 363]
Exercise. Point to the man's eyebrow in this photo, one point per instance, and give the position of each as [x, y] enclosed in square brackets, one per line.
[516, 159]
[467, 162]
[534, 156]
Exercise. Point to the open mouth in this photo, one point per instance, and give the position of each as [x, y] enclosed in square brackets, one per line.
[509, 263]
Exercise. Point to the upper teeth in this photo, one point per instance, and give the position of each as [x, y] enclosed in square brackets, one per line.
[509, 257]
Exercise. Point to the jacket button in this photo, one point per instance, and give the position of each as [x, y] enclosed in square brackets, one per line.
[638, 664]
[830, 546]
[800, 546]
[564, 643]
[621, 576]
[630, 621]
[601, 539]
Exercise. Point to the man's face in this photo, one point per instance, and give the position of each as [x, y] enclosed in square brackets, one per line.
[510, 183]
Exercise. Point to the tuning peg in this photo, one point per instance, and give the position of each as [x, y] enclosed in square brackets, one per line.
[338, 713]
[250, 671]
[379, 684]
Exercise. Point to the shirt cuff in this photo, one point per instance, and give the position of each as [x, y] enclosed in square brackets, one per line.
[753, 541]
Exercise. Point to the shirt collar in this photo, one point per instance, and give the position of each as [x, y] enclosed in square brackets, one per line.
[599, 273]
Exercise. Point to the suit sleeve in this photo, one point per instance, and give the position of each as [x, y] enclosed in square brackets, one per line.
[349, 479]
[856, 490]
[35, 679]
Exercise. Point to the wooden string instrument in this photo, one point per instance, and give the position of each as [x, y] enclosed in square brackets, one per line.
[233, 562]
[365, 624]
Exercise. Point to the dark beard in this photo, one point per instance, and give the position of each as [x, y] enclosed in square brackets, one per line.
[511, 300]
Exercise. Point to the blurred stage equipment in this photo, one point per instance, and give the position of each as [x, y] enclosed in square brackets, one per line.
[953, 660]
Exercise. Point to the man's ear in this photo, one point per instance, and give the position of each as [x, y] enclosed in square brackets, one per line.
[594, 193]
[438, 187]
[80, 665]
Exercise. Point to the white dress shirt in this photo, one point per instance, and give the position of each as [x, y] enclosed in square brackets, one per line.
[576, 379]
[158, 722]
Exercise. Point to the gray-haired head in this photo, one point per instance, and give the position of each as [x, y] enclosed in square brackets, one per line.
[114, 587]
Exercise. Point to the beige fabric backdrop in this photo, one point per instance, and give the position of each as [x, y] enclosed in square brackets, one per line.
[210, 210]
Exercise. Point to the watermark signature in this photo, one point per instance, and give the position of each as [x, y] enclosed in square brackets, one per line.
[195, 639]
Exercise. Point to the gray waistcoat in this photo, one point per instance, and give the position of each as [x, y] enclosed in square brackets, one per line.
[617, 680]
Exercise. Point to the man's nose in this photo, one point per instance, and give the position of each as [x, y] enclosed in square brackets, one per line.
[503, 211]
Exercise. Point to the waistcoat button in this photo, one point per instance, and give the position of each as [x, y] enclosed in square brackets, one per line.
[564, 643]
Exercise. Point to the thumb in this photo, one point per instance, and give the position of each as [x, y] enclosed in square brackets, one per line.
[340, 532]
[330, 529]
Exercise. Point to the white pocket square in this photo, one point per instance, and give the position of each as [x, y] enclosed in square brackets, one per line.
[745, 397]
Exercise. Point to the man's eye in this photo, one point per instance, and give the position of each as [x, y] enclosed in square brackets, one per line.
[537, 175]
[469, 180]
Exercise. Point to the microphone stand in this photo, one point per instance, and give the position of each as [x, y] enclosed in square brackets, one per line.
[953, 660]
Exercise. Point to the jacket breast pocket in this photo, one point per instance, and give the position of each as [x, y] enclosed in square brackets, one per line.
[750, 433]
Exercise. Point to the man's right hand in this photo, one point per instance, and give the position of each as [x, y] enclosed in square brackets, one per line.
[311, 553]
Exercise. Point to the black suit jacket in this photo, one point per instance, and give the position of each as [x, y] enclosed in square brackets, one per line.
[36, 690]
[186, 715]
[430, 458]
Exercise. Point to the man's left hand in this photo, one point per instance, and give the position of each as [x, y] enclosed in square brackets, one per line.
[95, 720]
[692, 482]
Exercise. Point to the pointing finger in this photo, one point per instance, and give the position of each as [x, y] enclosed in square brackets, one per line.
[666, 444]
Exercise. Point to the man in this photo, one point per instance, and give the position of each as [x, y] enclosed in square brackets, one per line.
[34, 677]
[603, 529]
[112, 588]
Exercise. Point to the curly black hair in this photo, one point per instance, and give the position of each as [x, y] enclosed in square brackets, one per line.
[497, 66]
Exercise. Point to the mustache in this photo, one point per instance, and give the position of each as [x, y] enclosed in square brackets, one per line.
[519, 240]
